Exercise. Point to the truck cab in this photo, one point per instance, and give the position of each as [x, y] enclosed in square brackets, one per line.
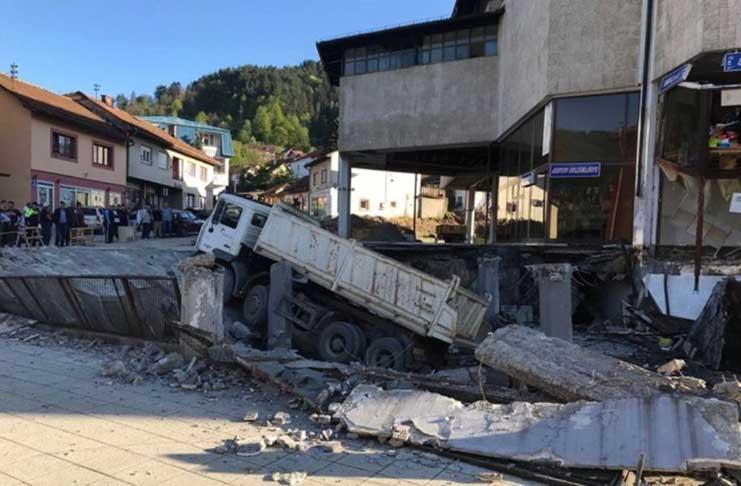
[233, 227]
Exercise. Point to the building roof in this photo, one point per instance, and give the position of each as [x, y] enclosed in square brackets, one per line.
[192, 127]
[331, 51]
[148, 129]
[51, 104]
[298, 187]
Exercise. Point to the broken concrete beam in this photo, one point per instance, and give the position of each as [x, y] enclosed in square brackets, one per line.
[607, 435]
[569, 371]
[715, 337]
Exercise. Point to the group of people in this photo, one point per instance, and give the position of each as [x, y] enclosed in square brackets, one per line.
[33, 219]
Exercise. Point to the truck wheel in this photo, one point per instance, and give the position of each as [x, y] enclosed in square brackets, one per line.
[340, 342]
[229, 280]
[386, 352]
[255, 307]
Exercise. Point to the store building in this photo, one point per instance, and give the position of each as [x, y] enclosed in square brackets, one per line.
[162, 169]
[53, 150]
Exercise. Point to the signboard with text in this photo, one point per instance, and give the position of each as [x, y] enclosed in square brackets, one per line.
[732, 62]
[575, 170]
[675, 77]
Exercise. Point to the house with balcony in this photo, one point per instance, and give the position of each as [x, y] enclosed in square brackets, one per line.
[162, 169]
[214, 141]
[53, 149]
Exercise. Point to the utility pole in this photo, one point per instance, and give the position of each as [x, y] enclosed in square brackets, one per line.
[96, 88]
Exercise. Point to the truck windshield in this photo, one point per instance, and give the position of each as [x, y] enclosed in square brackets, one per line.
[217, 212]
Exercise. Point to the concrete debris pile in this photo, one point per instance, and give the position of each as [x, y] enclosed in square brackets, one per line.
[611, 434]
[570, 372]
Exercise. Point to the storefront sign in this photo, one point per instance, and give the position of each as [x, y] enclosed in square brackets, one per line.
[736, 203]
[675, 77]
[732, 62]
[575, 170]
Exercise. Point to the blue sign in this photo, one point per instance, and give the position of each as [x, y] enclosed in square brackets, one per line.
[675, 77]
[575, 170]
[732, 62]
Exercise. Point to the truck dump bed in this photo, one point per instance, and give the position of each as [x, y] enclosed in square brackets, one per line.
[408, 297]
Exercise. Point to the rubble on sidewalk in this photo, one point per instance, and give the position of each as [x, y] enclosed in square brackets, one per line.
[290, 479]
[570, 372]
[715, 336]
[610, 435]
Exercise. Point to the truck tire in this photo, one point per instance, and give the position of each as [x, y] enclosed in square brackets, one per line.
[229, 282]
[340, 342]
[255, 307]
[387, 352]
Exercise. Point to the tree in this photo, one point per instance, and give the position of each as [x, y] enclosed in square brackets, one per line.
[176, 107]
[245, 133]
[201, 117]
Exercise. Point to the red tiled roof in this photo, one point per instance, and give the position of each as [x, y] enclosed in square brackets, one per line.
[153, 131]
[35, 97]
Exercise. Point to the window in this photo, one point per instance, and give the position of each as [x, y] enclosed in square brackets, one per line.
[115, 198]
[45, 194]
[191, 169]
[204, 174]
[190, 200]
[393, 204]
[145, 155]
[97, 198]
[102, 155]
[176, 172]
[72, 195]
[364, 204]
[64, 146]
[230, 216]
[447, 46]
[208, 139]
[324, 176]
[381, 206]
[162, 160]
[258, 220]
[314, 178]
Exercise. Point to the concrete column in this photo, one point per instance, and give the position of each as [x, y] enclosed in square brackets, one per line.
[344, 190]
[487, 284]
[493, 202]
[554, 296]
[281, 288]
[470, 215]
[202, 297]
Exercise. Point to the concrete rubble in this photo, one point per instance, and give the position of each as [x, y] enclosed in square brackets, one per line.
[570, 372]
[611, 434]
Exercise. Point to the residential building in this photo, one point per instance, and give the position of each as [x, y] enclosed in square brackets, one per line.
[589, 118]
[214, 141]
[53, 149]
[375, 193]
[161, 168]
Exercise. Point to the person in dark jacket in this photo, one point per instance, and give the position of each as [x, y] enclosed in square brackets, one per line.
[78, 216]
[45, 219]
[62, 219]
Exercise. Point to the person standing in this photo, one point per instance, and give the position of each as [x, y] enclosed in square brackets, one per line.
[62, 219]
[31, 222]
[78, 216]
[108, 224]
[4, 223]
[45, 219]
[167, 220]
[157, 221]
[144, 219]
[15, 220]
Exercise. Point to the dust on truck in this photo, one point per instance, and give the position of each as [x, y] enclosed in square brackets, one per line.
[350, 303]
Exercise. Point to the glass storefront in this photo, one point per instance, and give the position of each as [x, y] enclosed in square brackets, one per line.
[595, 137]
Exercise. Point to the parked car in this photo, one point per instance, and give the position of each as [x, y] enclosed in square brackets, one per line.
[186, 223]
[93, 217]
[200, 213]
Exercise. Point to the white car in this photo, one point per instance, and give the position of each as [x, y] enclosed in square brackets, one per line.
[93, 217]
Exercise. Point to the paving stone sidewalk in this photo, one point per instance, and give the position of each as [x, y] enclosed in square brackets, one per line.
[62, 423]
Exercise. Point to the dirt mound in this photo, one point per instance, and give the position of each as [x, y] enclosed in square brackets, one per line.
[372, 229]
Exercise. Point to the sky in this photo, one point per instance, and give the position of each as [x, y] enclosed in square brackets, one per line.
[135, 45]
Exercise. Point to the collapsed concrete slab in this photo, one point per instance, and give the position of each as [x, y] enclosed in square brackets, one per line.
[569, 371]
[669, 430]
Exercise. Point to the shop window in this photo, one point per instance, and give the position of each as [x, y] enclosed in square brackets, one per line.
[596, 128]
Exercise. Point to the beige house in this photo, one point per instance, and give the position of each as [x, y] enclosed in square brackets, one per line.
[53, 149]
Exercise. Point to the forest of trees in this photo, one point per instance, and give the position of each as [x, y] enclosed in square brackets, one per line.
[288, 107]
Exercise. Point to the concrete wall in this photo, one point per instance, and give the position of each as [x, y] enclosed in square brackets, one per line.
[563, 47]
[685, 28]
[15, 149]
[82, 168]
[420, 106]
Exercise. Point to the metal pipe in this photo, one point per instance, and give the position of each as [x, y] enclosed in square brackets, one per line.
[647, 45]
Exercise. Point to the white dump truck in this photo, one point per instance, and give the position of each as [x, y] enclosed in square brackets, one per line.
[351, 303]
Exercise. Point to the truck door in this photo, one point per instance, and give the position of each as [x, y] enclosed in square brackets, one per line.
[220, 234]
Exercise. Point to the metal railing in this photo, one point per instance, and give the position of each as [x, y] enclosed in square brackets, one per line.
[130, 305]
